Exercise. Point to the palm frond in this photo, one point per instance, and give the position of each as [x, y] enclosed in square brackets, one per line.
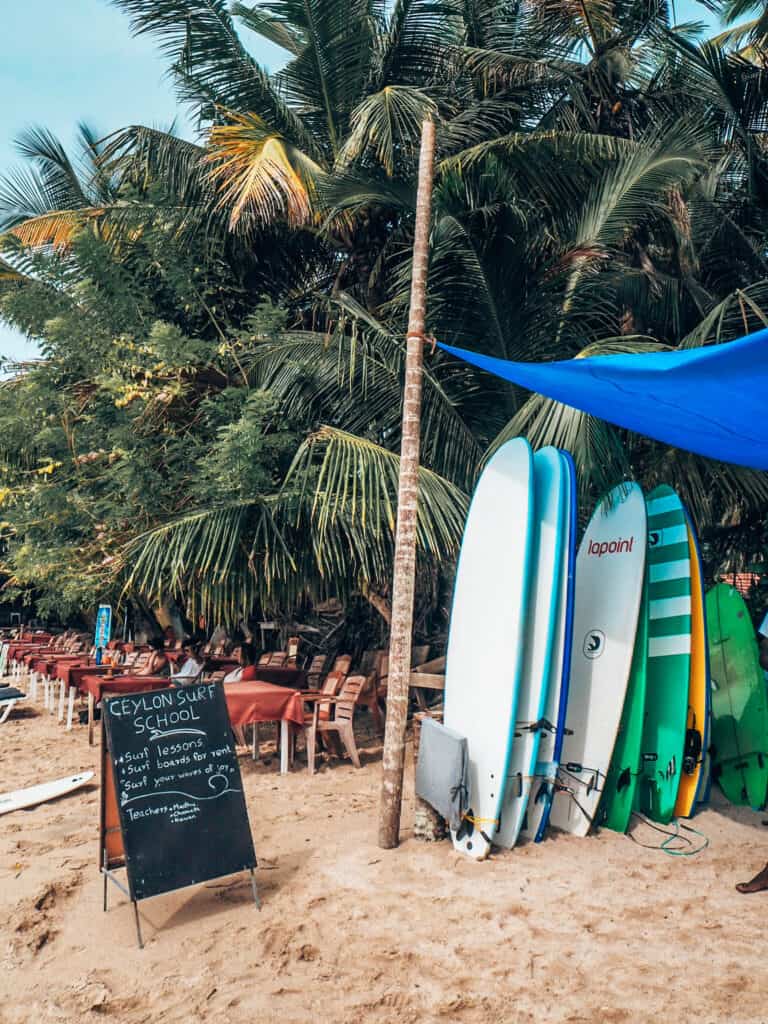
[222, 560]
[269, 26]
[350, 486]
[200, 41]
[258, 174]
[57, 229]
[388, 123]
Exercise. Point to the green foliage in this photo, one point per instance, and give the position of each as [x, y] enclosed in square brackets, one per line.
[217, 417]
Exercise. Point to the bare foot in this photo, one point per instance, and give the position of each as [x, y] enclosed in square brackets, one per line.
[756, 884]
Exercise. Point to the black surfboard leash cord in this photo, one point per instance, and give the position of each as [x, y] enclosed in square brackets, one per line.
[688, 847]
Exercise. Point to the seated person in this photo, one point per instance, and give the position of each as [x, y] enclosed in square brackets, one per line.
[192, 665]
[157, 663]
[246, 656]
[250, 672]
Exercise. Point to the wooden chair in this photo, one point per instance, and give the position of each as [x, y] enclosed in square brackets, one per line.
[264, 658]
[419, 653]
[315, 671]
[339, 724]
[331, 686]
[343, 663]
[292, 650]
[278, 658]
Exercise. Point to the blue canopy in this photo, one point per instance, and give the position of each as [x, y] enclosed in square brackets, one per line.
[713, 400]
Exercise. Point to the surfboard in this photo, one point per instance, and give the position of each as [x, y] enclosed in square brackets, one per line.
[739, 712]
[485, 640]
[696, 734]
[669, 655]
[551, 735]
[549, 532]
[20, 798]
[616, 805]
[610, 570]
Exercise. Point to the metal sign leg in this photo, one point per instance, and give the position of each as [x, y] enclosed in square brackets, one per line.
[138, 923]
[255, 890]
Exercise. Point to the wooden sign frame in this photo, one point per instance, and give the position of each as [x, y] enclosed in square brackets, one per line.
[112, 855]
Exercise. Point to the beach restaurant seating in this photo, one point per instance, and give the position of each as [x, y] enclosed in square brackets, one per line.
[343, 663]
[315, 671]
[338, 722]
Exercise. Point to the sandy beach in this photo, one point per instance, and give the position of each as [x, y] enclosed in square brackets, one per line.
[567, 930]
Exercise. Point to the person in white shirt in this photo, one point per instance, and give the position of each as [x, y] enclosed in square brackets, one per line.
[246, 657]
[192, 666]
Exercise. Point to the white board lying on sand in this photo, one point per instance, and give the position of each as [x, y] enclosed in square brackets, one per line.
[21, 798]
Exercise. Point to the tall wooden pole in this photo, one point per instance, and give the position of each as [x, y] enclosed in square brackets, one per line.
[403, 584]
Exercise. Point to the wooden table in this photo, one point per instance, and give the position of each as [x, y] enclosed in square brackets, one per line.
[251, 703]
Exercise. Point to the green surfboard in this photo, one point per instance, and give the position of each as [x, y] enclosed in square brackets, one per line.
[739, 706]
[621, 783]
[669, 655]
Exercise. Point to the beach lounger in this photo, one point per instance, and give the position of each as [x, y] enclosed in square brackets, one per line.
[9, 698]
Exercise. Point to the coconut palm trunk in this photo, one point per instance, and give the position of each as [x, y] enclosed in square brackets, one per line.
[407, 505]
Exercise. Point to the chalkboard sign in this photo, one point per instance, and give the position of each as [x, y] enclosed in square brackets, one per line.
[178, 789]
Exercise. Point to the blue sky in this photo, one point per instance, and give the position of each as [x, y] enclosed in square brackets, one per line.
[64, 61]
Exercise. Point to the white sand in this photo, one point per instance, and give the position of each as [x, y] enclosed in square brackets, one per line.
[568, 930]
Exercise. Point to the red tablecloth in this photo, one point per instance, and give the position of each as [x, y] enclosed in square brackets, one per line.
[262, 702]
[30, 653]
[17, 648]
[96, 684]
[296, 678]
[71, 673]
[47, 665]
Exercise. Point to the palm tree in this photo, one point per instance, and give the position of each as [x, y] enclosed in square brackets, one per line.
[404, 569]
[600, 186]
[57, 195]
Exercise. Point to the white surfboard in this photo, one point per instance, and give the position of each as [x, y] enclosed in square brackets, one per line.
[485, 642]
[20, 798]
[610, 569]
[538, 643]
[548, 757]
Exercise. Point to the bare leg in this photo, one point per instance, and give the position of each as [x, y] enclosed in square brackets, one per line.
[757, 884]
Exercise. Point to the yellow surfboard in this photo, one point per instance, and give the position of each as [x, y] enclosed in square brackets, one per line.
[693, 755]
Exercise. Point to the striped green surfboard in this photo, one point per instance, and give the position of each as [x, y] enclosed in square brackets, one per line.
[669, 655]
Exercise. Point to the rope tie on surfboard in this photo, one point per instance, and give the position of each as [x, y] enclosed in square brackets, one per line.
[474, 822]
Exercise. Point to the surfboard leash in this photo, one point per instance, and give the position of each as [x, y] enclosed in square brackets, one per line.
[672, 837]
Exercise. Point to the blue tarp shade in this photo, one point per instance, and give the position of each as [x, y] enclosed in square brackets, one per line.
[713, 401]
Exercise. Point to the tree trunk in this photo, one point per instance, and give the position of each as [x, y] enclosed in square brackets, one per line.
[407, 504]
